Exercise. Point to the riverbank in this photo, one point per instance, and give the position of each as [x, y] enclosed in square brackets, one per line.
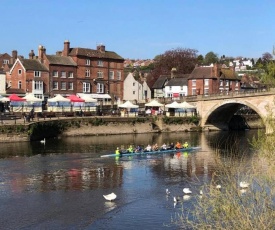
[19, 130]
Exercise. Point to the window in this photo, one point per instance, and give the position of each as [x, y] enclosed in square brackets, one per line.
[63, 85]
[182, 94]
[206, 82]
[99, 63]
[118, 75]
[70, 85]
[5, 61]
[87, 73]
[63, 74]
[206, 91]
[111, 75]
[86, 87]
[19, 85]
[169, 94]
[236, 84]
[226, 83]
[181, 88]
[37, 73]
[55, 74]
[39, 96]
[71, 74]
[88, 62]
[100, 88]
[38, 85]
[99, 74]
[55, 85]
[221, 82]
[134, 92]
[193, 82]
[20, 71]
[170, 87]
[134, 83]
[194, 91]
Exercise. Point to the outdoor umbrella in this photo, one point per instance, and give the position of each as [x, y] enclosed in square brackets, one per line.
[14, 97]
[75, 98]
[174, 105]
[153, 103]
[185, 105]
[128, 105]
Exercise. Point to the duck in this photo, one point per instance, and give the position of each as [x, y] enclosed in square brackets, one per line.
[167, 192]
[244, 184]
[43, 141]
[187, 191]
[218, 186]
[110, 197]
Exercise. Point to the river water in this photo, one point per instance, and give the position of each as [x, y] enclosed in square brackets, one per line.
[60, 184]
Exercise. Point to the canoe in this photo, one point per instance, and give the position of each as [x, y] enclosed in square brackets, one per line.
[153, 152]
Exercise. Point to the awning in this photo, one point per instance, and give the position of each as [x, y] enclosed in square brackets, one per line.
[176, 94]
[95, 95]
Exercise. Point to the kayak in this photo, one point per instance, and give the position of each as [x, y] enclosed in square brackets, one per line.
[189, 149]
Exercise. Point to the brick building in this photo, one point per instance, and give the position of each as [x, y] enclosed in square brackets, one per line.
[215, 79]
[98, 71]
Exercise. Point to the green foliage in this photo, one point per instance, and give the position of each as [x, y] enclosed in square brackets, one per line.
[268, 77]
[181, 120]
[97, 122]
[211, 58]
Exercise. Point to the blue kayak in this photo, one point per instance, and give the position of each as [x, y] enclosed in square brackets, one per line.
[153, 152]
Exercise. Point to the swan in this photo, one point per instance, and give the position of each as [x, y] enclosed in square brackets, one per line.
[218, 186]
[186, 197]
[167, 192]
[186, 191]
[43, 141]
[244, 184]
[110, 196]
[177, 199]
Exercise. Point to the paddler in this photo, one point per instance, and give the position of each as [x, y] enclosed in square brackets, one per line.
[185, 145]
[117, 151]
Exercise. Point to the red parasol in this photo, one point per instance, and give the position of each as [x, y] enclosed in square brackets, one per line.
[75, 98]
[14, 97]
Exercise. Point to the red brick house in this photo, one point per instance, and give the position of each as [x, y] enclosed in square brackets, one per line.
[62, 73]
[28, 76]
[205, 80]
[98, 71]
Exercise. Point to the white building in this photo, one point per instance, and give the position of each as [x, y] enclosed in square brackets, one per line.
[135, 90]
[176, 88]
[2, 82]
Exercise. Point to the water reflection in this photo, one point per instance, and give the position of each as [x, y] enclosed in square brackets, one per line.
[72, 167]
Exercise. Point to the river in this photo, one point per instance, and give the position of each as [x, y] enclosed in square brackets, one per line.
[60, 184]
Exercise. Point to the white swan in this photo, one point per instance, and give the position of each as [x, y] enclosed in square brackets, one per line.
[218, 186]
[244, 184]
[110, 196]
[186, 191]
[43, 141]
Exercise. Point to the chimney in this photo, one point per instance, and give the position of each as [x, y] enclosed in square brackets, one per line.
[173, 72]
[14, 56]
[31, 55]
[41, 53]
[216, 70]
[66, 48]
[101, 48]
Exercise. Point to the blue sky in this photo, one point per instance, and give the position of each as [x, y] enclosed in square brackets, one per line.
[140, 29]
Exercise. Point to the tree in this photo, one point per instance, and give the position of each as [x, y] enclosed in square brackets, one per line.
[200, 59]
[266, 57]
[268, 77]
[183, 59]
[211, 58]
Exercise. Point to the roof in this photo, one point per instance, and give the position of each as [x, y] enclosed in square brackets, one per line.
[228, 74]
[16, 91]
[159, 83]
[177, 82]
[33, 64]
[61, 60]
[202, 72]
[94, 53]
[207, 72]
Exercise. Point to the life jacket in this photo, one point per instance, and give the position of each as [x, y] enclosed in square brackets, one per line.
[117, 151]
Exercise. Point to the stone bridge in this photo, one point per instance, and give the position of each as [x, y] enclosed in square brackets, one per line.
[217, 111]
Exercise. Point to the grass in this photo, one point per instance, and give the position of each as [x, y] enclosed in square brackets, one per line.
[232, 207]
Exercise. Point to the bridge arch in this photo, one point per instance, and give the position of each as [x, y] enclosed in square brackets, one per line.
[219, 115]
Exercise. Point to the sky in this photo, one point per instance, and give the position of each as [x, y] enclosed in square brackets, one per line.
[140, 29]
